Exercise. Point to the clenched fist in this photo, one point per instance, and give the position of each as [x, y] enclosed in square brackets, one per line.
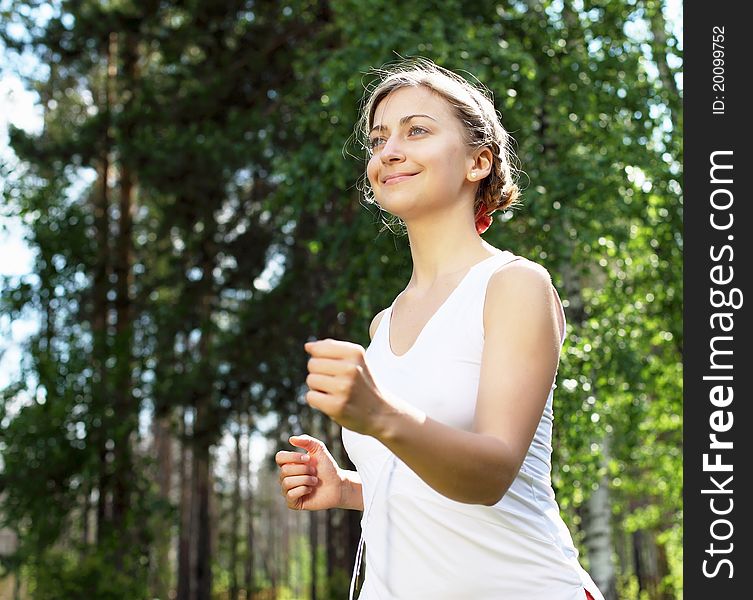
[341, 386]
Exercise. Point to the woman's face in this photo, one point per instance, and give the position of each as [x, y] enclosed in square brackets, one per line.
[419, 159]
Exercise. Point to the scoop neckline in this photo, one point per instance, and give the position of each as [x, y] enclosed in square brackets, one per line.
[435, 313]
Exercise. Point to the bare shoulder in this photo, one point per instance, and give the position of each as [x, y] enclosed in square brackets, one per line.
[523, 275]
[522, 287]
[375, 323]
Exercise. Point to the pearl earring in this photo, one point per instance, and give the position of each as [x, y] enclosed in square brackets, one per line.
[473, 174]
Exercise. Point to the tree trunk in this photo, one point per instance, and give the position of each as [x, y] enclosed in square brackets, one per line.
[597, 527]
[163, 450]
[100, 302]
[203, 541]
[314, 547]
[283, 551]
[330, 550]
[85, 517]
[662, 565]
[249, 580]
[659, 51]
[185, 535]
[204, 428]
[273, 540]
[647, 564]
[235, 511]
[125, 408]
[16, 586]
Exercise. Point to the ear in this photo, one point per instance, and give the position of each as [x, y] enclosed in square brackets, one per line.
[481, 164]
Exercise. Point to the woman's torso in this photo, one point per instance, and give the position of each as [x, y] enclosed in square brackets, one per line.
[420, 544]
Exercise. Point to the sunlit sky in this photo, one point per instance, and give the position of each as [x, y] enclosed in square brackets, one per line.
[18, 106]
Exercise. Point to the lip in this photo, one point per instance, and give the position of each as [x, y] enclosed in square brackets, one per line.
[397, 178]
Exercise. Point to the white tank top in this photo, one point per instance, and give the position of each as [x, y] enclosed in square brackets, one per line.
[423, 545]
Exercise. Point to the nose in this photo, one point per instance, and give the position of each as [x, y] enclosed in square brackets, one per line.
[392, 150]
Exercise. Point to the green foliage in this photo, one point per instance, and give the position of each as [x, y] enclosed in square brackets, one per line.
[338, 585]
[58, 575]
[236, 125]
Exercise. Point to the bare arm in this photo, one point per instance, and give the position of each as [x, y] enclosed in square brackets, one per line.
[519, 364]
[352, 491]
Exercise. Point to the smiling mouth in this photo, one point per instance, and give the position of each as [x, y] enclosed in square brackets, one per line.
[398, 178]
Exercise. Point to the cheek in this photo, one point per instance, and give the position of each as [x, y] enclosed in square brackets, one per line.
[460, 163]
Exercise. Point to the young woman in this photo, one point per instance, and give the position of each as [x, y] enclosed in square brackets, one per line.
[447, 415]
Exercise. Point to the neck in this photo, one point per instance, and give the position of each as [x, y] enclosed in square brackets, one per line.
[443, 247]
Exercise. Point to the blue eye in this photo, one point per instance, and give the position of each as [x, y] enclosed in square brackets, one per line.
[413, 130]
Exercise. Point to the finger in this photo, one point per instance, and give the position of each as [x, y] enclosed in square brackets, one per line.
[318, 400]
[292, 482]
[284, 457]
[323, 383]
[325, 366]
[295, 469]
[329, 348]
[313, 346]
[292, 495]
[308, 443]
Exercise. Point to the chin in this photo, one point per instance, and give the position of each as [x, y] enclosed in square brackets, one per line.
[402, 207]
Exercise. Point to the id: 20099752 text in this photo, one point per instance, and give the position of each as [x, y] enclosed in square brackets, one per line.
[718, 69]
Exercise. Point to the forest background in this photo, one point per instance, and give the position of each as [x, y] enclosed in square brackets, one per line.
[191, 205]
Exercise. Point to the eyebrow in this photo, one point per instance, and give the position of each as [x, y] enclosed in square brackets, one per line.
[403, 121]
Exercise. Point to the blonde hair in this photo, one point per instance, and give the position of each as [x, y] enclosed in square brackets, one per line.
[473, 105]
